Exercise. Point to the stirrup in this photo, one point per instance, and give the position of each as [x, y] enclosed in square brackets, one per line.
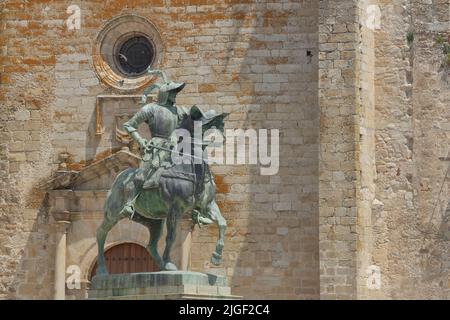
[128, 209]
[200, 220]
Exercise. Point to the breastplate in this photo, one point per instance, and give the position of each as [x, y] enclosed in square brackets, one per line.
[163, 123]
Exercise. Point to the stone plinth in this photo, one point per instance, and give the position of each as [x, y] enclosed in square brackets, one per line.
[165, 285]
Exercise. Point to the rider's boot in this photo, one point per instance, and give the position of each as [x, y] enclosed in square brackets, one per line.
[199, 219]
[128, 209]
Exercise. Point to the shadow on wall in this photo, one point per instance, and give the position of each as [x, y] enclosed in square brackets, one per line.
[271, 247]
[435, 251]
[34, 278]
[271, 244]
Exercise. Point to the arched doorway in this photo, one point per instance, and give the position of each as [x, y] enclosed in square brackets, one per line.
[127, 258]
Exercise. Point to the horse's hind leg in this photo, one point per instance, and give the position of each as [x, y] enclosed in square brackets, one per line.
[215, 215]
[155, 229]
[172, 219]
[102, 232]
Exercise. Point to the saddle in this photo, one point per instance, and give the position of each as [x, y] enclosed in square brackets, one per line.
[153, 181]
[179, 175]
[199, 186]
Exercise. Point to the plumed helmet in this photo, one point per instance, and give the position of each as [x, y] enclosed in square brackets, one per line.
[166, 90]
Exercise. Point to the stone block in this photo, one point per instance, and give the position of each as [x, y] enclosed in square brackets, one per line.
[160, 285]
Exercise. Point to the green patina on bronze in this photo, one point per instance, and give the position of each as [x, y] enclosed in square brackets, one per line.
[160, 190]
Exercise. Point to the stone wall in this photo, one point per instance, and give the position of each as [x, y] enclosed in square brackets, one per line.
[339, 139]
[391, 183]
[368, 24]
[375, 193]
[257, 60]
[412, 99]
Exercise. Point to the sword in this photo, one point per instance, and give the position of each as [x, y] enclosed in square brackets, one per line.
[149, 146]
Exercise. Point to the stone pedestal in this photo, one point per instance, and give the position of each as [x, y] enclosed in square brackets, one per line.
[165, 285]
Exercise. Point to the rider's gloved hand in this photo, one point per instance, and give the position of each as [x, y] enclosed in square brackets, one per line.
[173, 140]
[143, 143]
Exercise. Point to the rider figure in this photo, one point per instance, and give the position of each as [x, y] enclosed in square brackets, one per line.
[162, 118]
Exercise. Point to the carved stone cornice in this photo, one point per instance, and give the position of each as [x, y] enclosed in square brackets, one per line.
[69, 179]
[61, 216]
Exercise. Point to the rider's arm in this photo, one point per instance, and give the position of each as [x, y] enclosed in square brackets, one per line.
[132, 125]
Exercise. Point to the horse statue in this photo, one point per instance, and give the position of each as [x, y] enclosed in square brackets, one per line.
[185, 188]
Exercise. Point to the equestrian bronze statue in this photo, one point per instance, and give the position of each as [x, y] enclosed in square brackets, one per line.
[161, 190]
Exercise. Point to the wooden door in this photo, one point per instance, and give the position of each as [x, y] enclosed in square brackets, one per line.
[127, 258]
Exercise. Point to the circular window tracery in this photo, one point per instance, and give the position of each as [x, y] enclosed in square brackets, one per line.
[123, 51]
[135, 55]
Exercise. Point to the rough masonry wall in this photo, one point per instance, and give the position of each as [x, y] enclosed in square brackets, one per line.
[398, 215]
[412, 133]
[431, 114]
[368, 24]
[27, 88]
[245, 57]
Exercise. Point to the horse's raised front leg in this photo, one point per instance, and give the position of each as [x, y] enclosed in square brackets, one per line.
[214, 214]
[114, 203]
[155, 229]
[102, 232]
[172, 219]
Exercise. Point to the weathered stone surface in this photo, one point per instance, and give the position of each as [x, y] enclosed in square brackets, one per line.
[160, 285]
[363, 186]
[158, 279]
[230, 55]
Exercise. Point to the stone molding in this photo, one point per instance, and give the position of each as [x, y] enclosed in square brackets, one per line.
[104, 47]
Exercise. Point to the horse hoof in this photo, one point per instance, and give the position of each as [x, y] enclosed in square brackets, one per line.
[216, 260]
[169, 266]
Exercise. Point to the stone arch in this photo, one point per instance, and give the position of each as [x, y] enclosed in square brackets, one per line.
[110, 246]
[85, 250]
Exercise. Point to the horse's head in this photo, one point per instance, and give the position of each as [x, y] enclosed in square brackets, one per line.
[208, 120]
